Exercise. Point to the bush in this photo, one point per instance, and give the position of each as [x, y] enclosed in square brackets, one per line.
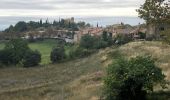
[6, 57]
[131, 79]
[87, 41]
[14, 52]
[79, 52]
[57, 54]
[32, 58]
[110, 41]
[142, 35]
[100, 44]
[107, 37]
[122, 39]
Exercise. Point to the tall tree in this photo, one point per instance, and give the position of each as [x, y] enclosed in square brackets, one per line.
[41, 23]
[155, 13]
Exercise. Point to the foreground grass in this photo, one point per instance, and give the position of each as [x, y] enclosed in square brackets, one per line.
[79, 79]
[54, 82]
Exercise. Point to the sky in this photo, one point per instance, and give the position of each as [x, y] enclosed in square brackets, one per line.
[10, 9]
[69, 7]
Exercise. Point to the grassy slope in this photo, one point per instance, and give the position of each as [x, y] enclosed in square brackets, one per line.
[53, 82]
[75, 80]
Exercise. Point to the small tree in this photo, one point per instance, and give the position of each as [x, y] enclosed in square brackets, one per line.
[57, 54]
[88, 41]
[122, 39]
[131, 79]
[32, 58]
[105, 36]
[142, 35]
[100, 44]
[6, 57]
[14, 51]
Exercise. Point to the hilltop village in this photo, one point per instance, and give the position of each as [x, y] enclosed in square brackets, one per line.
[70, 31]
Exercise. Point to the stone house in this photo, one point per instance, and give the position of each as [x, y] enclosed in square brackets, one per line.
[154, 31]
[94, 31]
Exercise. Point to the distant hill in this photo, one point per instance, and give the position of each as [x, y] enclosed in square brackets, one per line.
[67, 24]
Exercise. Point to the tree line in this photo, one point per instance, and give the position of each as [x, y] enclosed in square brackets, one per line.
[23, 26]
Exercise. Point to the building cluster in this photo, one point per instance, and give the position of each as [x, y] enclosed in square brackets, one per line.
[132, 32]
[75, 36]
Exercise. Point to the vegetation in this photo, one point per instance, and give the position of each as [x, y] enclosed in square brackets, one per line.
[57, 54]
[154, 11]
[92, 42]
[32, 58]
[107, 38]
[79, 79]
[121, 39]
[131, 79]
[27, 26]
[44, 47]
[16, 51]
[79, 52]
[87, 41]
[142, 35]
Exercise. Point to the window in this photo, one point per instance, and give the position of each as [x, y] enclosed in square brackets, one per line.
[161, 28]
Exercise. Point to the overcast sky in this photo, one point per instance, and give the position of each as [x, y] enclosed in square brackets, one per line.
[12, 11]
[69, 7]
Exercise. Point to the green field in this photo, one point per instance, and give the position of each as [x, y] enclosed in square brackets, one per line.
[79, 79]
[44, 47]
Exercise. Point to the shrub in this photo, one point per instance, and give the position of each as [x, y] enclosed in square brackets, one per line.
[142, 35]
[107, 37]
[14, 51]
[57, 54]
[131, 79]
[32, 58]
[100, 44]
[79, 52]
[122, 39]
[87, 41]
[6, 57]
[110, 41]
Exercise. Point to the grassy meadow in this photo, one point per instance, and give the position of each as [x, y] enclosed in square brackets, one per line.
[79, 79]
[44, 47]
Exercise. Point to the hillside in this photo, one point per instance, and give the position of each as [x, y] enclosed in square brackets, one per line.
[79, 79]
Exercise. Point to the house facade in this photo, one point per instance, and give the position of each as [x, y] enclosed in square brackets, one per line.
[154, 31]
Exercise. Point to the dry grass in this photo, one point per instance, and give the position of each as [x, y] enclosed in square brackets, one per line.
[158, 50]
[80, 79]
[53, 82]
